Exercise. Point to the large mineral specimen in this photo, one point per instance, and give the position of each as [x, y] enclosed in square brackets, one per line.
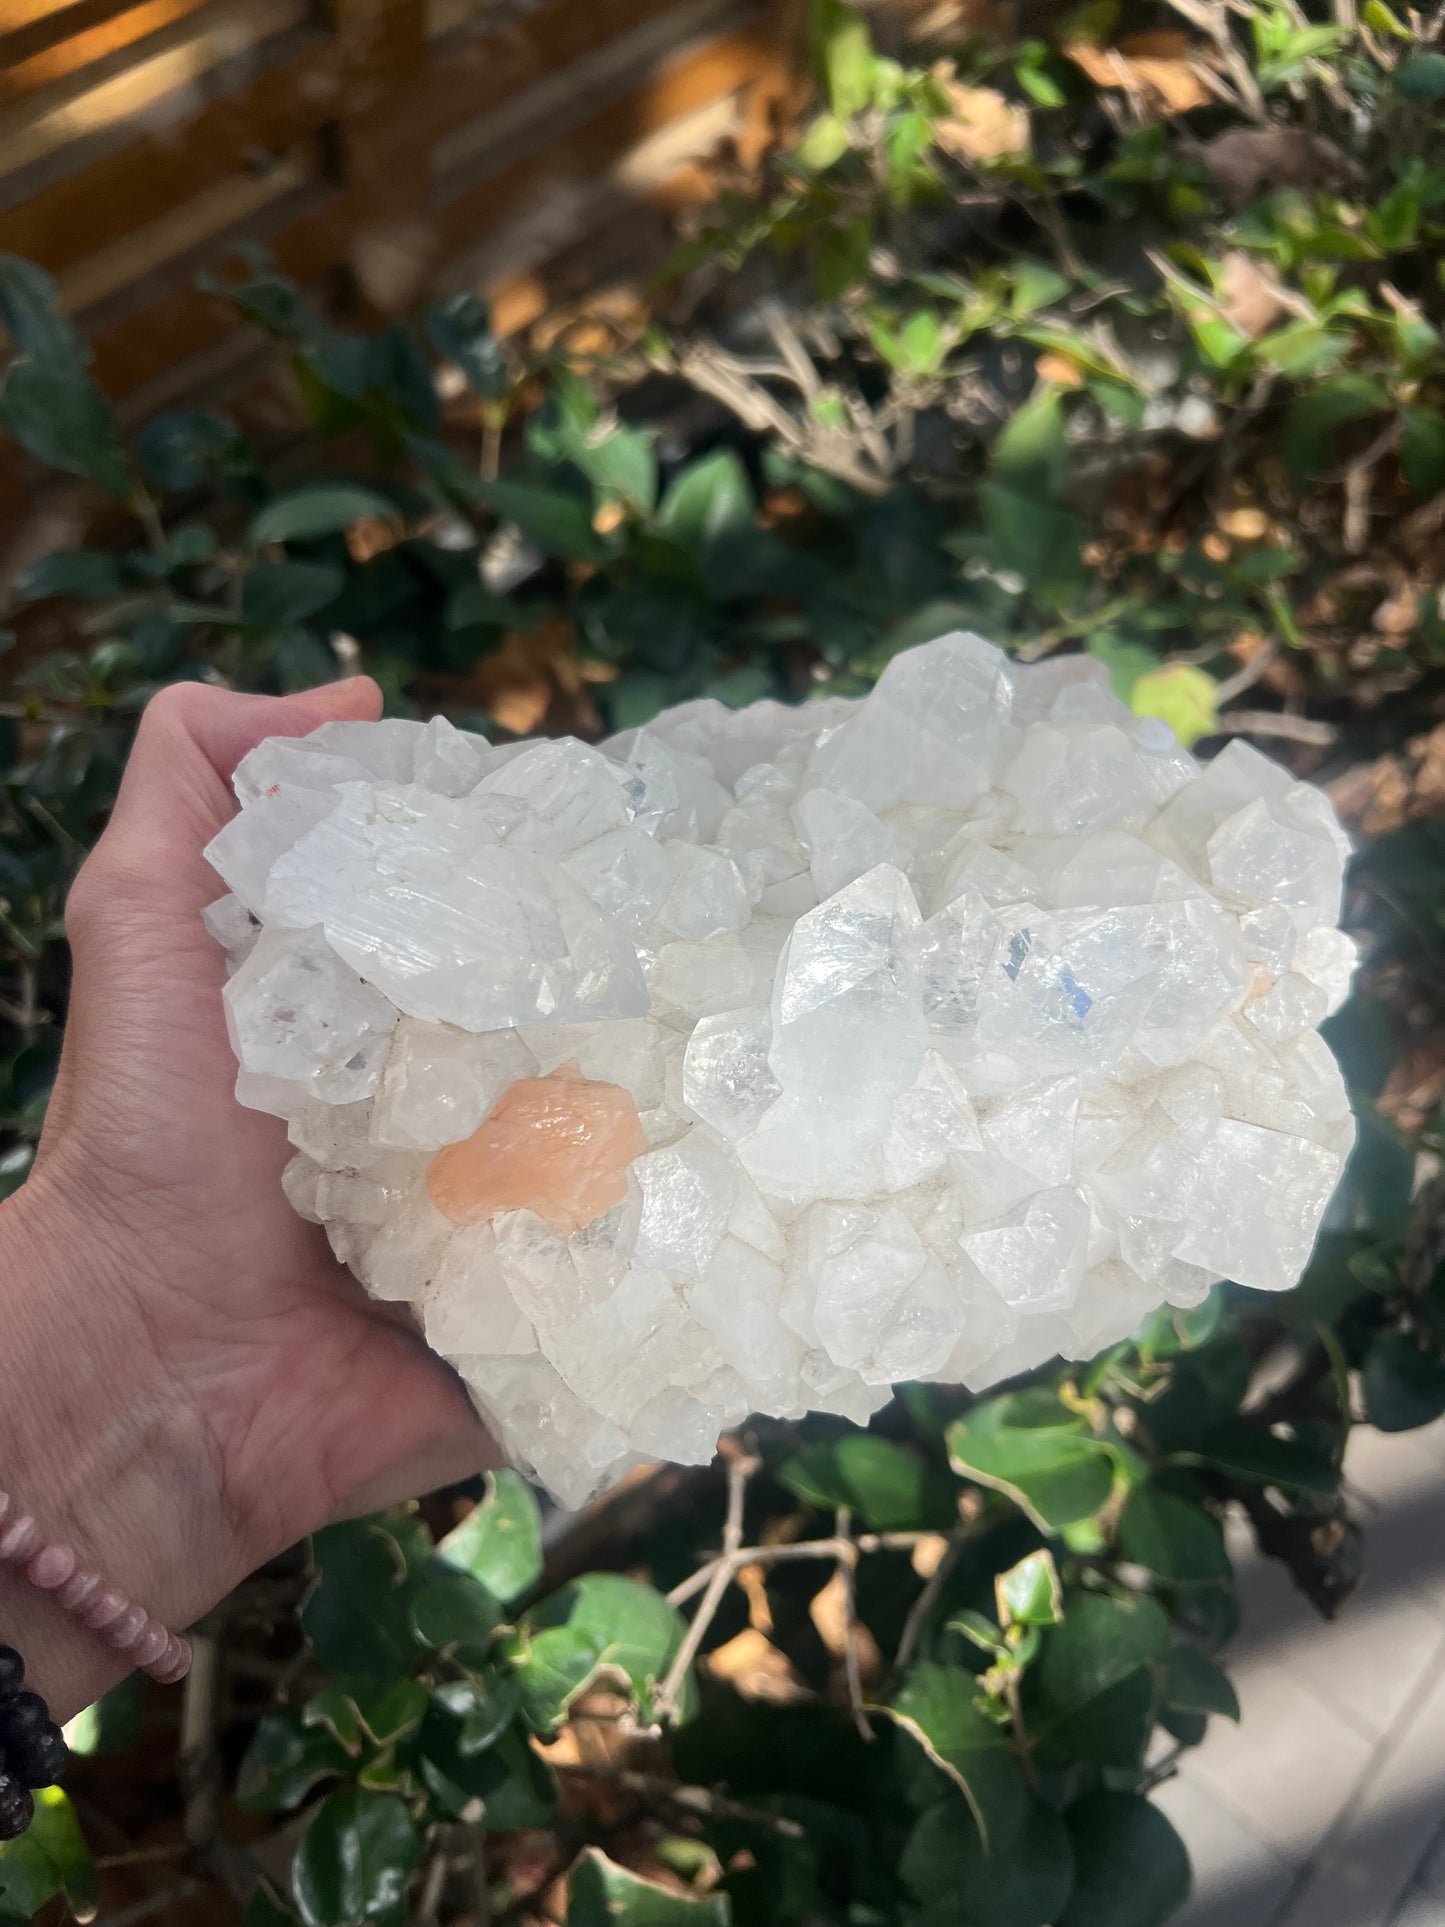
[760, 1059]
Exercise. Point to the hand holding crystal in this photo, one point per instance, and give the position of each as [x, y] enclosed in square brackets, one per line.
[191, 1381]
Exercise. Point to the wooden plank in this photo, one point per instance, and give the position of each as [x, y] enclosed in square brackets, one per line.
[64, 42]
[169, 81]
[62, 224]
[682, 87]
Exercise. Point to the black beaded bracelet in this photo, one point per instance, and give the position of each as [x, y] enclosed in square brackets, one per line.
[33, 1752]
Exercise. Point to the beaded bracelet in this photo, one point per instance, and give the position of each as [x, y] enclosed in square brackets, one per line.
[33, 1752]
[125, 1628]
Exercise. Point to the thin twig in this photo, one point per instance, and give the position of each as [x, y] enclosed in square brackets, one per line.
[925, 1602]
[1247, 677]
[791, 1549]
[847, 1569]
[740, 1469]
[694, 1799]
[1266, 722]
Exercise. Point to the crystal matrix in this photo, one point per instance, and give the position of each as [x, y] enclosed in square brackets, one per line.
[760, 1059]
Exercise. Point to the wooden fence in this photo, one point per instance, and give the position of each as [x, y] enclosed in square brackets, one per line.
[381, 148]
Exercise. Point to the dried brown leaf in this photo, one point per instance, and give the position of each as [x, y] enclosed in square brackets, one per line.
[1166, 84]
[1251, 299]
[982, 125]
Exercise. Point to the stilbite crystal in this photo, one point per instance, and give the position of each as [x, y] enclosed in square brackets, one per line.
[759, 1059]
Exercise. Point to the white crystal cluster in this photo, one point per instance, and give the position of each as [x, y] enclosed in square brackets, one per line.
[954, 1028]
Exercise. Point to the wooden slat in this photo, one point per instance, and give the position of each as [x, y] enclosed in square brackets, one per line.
[138, 347]
[59, 226]
[53, 49]
[45, 136]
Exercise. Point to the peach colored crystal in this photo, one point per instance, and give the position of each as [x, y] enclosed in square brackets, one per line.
[557, 1145]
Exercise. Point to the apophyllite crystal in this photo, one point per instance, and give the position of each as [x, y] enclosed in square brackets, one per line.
[759, 1059]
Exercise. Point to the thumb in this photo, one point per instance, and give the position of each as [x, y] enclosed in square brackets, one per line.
[176, 791]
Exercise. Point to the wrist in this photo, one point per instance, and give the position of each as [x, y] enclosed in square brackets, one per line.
[96, 1442]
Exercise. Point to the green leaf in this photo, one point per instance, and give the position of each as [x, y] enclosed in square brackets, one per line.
[460, 327]
[274, 595]
[1172, 1537]
[30, 313]
[320, 508]
[1032, 457]
[1404, 1386]
[49, 1858]
[1180, 694]
[1194, 1684]
[1028, 1594]
[513, 1786]
[623, 463]
[1034, 540]
[936, 1705]
[355, 1861]
[825, 142]
[265, 1910]
[1421, 78]
[285, 1759]
[708, 500]
[845, 55]
[500, 1541]
[888, 1487]
[454, 1612]
[602, 1894]
[1378, 17]
[558, 523]
[57, 414]
[1250, 1451]
[183, 452]
[1093, 1691]
[1317, 417]
[1130, 1866]
[1422, 451]
[111, 1724]
[356, 1612]
[601, 1621]
[1055, 1472]
[1023, 1880]
[76, 572]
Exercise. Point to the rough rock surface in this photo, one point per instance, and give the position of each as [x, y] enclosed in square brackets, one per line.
[760, 1059]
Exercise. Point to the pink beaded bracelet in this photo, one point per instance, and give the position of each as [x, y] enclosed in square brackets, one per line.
[126, 1629]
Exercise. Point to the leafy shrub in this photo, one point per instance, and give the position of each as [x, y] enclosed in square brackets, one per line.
[1130, 346]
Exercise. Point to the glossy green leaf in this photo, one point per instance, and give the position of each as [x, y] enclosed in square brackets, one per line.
[1422, 451]
[75, 572]
[1028, 1594]
[1055, 1473]
[1172, 1537]
[599, 1622]
[455, 1613]
[1130, 1866]
[845, 54]
[356, 1613]
[501, 1787]
[1093, 1693]
[1194, 1684]
[1021, 1880]
[264, 1909]
[30, 313]
[602, 1894]
[1181, 695]
[1421, 78]
[285, 1759]
[276, 594]
[58, 414]
[936, 1705]
[318, 509]
[1404, 1384]
[707, 501]
[182, 452]
[560, 524]
[825, 141]
[887, 1487]
[1251, 1451]
[500, 1540]
[355, 1861]
[49, 1858]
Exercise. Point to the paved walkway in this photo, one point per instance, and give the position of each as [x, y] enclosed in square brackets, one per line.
[1325, 1807]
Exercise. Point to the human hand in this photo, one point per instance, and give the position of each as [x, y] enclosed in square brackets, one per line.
[193, 1382]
